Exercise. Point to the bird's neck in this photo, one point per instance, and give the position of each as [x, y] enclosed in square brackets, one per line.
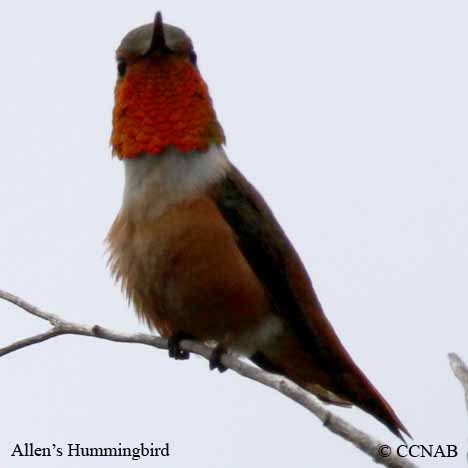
[152, 184]
[159, 105]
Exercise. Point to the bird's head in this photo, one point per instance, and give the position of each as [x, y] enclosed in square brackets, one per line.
[161, 100]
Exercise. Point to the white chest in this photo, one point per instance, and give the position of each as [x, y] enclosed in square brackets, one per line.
[153, 183]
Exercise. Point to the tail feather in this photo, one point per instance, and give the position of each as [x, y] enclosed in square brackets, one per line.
[349, 386]
[364, 395]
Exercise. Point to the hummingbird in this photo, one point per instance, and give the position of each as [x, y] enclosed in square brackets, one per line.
[196, 248]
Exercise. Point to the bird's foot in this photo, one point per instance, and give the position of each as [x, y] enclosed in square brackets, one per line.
[215, 359]
[173, 345]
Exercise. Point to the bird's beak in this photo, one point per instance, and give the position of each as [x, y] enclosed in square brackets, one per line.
[158, 41]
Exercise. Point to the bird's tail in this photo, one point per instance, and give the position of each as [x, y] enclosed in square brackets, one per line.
[336, 380]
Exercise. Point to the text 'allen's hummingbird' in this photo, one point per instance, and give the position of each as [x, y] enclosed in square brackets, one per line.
[195, 246]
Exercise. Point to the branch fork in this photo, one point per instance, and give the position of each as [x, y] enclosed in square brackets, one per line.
[332, 422]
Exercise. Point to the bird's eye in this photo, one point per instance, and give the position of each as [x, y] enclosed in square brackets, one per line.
[193, 56]
[121, 68]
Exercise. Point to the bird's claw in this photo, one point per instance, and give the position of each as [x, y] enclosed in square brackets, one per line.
[215, 359]
[173, 345]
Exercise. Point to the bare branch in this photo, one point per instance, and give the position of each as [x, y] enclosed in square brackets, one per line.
[460, 370]
[332, 422]
[51, 318]
[30, 341]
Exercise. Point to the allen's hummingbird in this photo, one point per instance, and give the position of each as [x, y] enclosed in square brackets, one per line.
[195, 246]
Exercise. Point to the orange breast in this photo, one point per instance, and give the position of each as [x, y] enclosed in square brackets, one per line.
[184, 273]
[161, 103]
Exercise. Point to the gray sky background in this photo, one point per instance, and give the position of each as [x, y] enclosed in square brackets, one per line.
[350, 117]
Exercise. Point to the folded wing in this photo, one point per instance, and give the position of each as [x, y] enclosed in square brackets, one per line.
[309, 352]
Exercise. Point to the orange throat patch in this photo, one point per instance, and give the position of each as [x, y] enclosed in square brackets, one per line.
[159, 104]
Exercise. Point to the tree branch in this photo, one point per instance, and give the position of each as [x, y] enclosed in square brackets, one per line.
[460, 370]
[334, 423]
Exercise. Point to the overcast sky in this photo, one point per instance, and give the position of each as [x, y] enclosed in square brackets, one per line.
[350, 117]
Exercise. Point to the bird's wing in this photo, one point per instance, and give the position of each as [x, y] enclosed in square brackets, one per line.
[272, 257]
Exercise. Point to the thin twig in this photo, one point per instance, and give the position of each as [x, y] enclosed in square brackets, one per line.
[460, 370]
[30, 341]
[27, 307]
[334, 423]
